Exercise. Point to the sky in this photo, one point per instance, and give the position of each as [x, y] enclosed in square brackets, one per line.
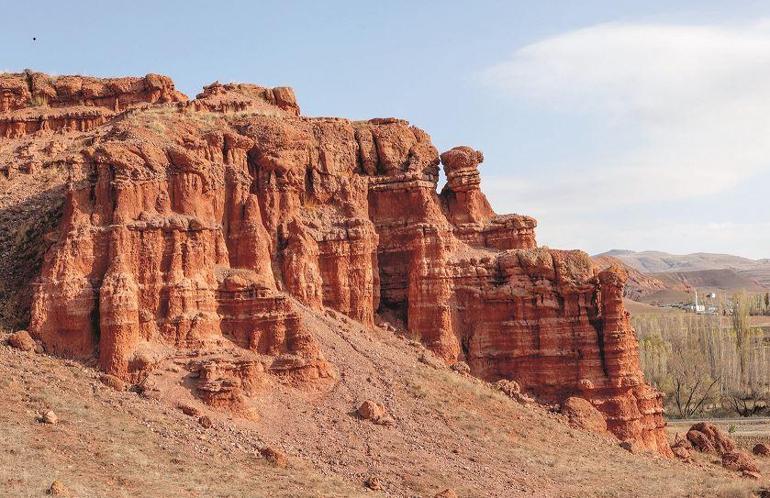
[617, 124]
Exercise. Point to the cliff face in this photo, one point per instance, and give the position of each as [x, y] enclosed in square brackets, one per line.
[226, 218]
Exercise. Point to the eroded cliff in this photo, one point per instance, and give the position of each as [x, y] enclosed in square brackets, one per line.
[223, 220]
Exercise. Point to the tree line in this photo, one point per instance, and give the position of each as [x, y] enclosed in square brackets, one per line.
[708, 364]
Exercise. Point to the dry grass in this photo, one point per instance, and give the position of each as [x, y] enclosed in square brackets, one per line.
[120, 445]
[38, 101]
[450, 431]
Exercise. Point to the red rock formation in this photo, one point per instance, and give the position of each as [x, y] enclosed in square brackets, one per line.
[218, 219]
[35, 102]
[761, 449]
[741, 462]
[707, 438]
[639, 284]
[23, 90]
[583, 415]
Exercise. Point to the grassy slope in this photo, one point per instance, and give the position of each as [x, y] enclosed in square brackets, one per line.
[119, 444]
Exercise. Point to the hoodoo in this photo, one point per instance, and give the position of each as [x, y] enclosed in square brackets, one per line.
[216, 220]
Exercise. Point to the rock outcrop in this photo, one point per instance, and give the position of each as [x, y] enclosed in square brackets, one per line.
[231, 217]
[35, 102]
[583, 415]
[22, 340]
[761, 449]
[707, 438]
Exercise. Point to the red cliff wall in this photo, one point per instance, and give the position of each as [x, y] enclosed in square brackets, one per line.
[217, 219]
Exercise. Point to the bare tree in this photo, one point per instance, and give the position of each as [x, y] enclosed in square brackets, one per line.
[742, 328]
[693, 385]
[749, 402]
[702, 363]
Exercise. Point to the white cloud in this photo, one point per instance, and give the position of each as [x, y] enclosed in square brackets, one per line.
[751, 240]
[697, 99]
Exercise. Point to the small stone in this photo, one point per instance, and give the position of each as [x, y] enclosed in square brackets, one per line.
[205, 422]
[374, 482]
[276, 457]
[369, 410]
[113, 382]
[49, 417]
[461, 367]
[58, 489]
[189, 410]
[761, 449]
[447, 493]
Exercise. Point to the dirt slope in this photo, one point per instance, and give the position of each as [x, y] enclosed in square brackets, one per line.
[450, 431]
[724, 279]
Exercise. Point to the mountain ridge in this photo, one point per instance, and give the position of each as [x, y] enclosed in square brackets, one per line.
[659, 262]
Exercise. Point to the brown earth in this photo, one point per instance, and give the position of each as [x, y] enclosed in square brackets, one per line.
[450, 431]
[721, 279]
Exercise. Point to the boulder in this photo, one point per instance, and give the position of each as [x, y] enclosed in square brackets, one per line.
[374, 412]
[22, 340]
[761, 449]
[583, 415]
[49, 417]
[274, 456]
[707, 438]
[112, 381]
[58, 488]
[374, 483]
[739, 461]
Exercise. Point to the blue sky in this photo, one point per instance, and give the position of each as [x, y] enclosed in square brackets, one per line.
[637, 125]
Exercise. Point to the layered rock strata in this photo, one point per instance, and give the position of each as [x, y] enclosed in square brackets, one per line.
[230, 217]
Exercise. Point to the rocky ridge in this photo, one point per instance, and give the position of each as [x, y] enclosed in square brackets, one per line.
[217, 223]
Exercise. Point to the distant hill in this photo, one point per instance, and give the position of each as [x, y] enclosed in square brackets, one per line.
[699, 269]
[639, 285]
[725, 279]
